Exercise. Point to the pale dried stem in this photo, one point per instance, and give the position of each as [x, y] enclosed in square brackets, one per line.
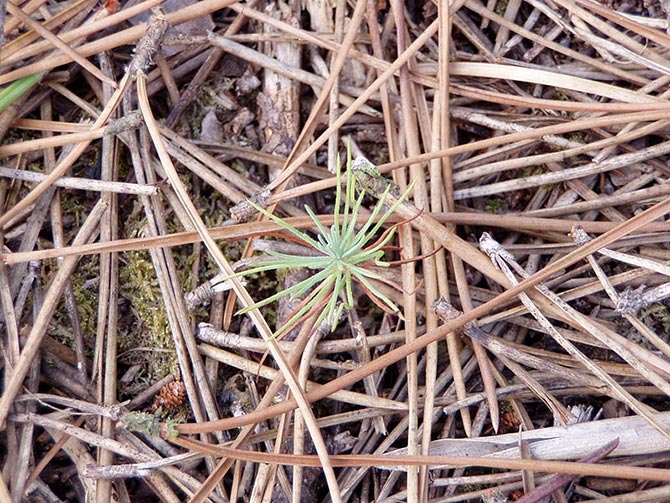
[442, 173]
[82, 183]
[57, 230]
[615, 44]
[168, 78]
[53, 126]
[225, 339]
[570, 148]
[363, 352]
[566, 174]
[657, 36]
[9, 314]
[581, 469]
[602, 202]
[435, 267]
[108, 295]
[54, 141]
[11, 24]
[631, 103]
[271, 374]
[298, 422]
[137, 469]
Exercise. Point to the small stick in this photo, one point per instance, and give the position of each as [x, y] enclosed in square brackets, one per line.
[136, 470]
[559, 480]
[70, 182]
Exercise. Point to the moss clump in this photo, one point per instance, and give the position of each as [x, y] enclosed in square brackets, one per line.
[501, 7]
[147, 325]
[657, 317]
[85, 289]
[84, 279]
[494, 204]
[140, 287]
[142, 422]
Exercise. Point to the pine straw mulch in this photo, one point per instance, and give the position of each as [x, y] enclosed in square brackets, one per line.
[537, 139]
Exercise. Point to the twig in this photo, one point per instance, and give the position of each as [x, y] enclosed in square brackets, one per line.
[82, 183]
[557, 481]
[580, 469]
[140, 470]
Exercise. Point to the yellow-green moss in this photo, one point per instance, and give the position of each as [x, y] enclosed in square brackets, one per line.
[151, 328]
[657, 316]
[85, 289]
[494, 204]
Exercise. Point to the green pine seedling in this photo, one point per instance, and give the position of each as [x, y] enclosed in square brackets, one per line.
[345, 251]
